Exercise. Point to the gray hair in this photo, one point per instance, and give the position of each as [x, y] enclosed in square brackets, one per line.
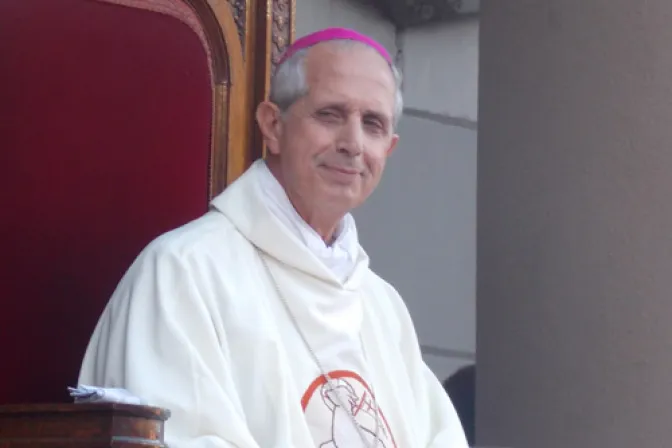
[289, 84]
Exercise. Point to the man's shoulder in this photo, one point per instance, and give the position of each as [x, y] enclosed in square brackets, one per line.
[389, 305]
[211, 233]
[385, 293]
[381, 286]
[185, 257]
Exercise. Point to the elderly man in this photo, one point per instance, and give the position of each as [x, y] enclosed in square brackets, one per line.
[260, 324]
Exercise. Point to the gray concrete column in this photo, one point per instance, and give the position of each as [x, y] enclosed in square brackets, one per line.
[574, 273]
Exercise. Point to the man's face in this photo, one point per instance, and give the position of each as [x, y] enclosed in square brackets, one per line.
[333, 142]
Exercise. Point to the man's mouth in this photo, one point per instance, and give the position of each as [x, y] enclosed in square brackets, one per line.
[343, 170]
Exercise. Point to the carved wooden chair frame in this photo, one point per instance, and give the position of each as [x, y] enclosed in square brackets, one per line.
[246, 58]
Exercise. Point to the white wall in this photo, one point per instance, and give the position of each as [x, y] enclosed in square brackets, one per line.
[435, 172]
[440, 64]
[419, 227]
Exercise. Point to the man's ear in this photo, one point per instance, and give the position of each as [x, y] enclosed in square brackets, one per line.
[393, 143]
[269, 121]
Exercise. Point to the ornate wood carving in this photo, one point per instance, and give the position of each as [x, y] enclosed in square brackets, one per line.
[251, 36]
[239, 8]
[273, 32]
[282, 28]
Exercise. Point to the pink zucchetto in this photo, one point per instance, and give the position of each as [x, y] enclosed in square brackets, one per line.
[329, 34]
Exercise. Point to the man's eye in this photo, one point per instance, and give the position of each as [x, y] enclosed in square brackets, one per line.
[327, 114]
[373, 123]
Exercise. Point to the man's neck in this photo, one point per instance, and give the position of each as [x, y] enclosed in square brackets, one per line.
[328, 232]
[325, 223]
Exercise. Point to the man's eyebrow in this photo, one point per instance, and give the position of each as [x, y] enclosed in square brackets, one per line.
[343, 107]
[376, 114]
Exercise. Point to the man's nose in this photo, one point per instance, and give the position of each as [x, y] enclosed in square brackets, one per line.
[351, 138]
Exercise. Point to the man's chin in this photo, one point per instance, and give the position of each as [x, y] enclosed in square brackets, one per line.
[344, 197]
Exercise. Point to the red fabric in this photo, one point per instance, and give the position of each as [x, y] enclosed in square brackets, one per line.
[105, 115]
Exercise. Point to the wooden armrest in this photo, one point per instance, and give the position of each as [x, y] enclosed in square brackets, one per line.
[94, 425]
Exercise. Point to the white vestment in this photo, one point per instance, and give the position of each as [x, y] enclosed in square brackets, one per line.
[197, 326]
[340, 256]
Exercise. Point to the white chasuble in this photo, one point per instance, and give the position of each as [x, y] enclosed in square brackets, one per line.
[222, 321]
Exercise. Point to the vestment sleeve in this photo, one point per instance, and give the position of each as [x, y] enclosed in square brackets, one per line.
[156, 339]
[439, 424]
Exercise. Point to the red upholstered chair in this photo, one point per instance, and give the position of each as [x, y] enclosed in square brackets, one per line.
[105, 143]
[119, 119]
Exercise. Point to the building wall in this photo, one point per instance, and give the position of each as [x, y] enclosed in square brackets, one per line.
[441, 70]
[313, 15]
[419, 227]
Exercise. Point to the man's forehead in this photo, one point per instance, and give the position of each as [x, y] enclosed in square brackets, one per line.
[350, 81]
